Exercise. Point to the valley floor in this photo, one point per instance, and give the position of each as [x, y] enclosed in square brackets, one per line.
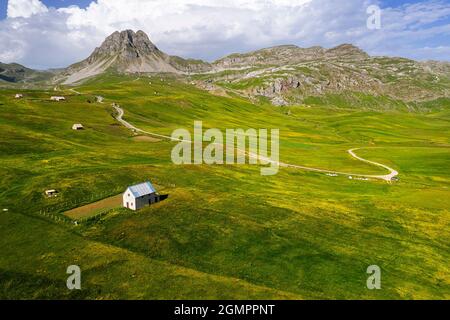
[388, 177]
[225, 231]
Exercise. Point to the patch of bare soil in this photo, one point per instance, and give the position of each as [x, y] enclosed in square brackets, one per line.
[146, 139]
[94, 208]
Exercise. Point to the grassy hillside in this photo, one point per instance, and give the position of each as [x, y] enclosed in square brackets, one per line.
[224, 231]
[16, 73]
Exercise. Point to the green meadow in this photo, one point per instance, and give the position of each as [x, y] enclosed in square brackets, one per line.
[225, 231]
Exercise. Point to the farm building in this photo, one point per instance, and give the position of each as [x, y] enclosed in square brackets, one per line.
[18, 96]
[51, 193]
[139, 196]
[332, 175]
[56, 98]
[77, 126]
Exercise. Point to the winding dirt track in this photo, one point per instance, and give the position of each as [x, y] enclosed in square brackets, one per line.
[388, 177]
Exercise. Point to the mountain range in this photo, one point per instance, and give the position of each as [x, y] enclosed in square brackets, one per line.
[284, 74]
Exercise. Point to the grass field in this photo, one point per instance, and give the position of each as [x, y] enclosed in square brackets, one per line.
[225, 231]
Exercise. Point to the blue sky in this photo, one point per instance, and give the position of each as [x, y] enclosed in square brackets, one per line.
[48, 3]
[56, 33]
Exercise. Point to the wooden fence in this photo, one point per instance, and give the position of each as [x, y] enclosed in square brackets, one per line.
[54, 212]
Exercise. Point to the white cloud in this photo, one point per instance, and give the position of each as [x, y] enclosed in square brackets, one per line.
[209, 29]
[25, 8]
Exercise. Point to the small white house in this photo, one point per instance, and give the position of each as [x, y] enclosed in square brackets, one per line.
[18, 96]
[77, 126]
[139, 196]
[56, 98]
[51, 193]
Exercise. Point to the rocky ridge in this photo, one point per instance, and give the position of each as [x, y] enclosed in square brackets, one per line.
[285, 75]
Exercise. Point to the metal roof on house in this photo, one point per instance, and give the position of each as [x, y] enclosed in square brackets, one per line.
[142, 189]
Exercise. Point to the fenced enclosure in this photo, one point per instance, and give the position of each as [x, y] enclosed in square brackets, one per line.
[55, 212]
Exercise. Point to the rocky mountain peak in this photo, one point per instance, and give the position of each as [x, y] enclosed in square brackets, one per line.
[127, 44]
[347, 50]
[129, 52]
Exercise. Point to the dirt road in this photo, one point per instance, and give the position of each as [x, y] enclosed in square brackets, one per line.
[388, 177]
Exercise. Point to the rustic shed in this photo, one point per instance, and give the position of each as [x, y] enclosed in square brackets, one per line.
[57, 98]
[77, 126]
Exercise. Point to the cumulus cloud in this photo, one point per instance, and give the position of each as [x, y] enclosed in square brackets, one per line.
[209, 29]
[25, 8]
